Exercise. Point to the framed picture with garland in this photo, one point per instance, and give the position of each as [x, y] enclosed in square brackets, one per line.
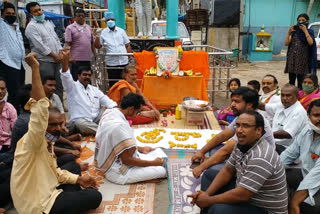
[168, 59]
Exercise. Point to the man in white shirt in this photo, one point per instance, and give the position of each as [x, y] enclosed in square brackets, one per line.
[45, 43]
[289, 117]
[115, 40]
[271, 93]
[84, 100]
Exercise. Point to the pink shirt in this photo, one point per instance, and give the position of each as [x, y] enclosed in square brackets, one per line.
[7, 120]
[80, 42]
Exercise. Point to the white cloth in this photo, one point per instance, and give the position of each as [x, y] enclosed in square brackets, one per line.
[271, 97]
[114, 135]
[84, 102]
[56, 102]
[115, 42]
[291, 119]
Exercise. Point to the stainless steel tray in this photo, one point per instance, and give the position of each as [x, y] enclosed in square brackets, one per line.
[195, 105]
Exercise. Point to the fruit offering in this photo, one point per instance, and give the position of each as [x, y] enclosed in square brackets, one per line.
[151, 136]
[183, 136]
[180, 145]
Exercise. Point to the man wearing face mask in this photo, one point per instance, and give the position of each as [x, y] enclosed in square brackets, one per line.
[116, 41]
[84, 100]
[45, 43]
[8, 117]
[304, 183]
[11, 51]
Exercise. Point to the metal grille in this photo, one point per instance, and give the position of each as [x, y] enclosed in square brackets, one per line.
[219, 63]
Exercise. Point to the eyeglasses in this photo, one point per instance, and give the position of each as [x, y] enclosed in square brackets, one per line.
[81, 16]
[244, 125]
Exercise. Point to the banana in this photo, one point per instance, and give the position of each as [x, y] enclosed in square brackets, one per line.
[152, 71]
[188, 72]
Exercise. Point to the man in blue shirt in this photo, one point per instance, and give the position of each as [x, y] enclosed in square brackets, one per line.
[304, 184]
[11, 51]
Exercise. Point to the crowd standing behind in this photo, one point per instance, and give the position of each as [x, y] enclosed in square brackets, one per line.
[246, 174]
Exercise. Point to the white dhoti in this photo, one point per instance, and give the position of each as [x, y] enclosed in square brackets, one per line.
[136, 174]
[114, 135]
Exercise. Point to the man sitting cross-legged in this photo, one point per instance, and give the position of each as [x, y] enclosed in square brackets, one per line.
[253, 180]
[49, 87]
[84, 100]
[242, 99]
[304, 183]
[65, 150]
[117, 153]
[36, 182]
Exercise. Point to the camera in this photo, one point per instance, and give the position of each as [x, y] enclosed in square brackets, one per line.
[296, 27]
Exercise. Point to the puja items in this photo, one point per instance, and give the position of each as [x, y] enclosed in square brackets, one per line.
[178, 113]
[195, 111]
[173, 108]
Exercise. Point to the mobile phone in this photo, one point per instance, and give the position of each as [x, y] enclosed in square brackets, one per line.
[296, 27]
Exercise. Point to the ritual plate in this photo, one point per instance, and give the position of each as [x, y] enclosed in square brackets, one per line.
[195, 105]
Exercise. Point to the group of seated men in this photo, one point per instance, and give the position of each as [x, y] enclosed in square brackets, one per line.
[38, 152]
[263, 168]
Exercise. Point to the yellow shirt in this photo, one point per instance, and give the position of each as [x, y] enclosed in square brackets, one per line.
[35, 176]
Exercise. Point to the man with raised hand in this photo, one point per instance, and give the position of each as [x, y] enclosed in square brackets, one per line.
[86, 102]
[36, 182]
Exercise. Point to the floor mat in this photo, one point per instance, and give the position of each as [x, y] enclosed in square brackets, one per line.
[133, 198]
[181, 183]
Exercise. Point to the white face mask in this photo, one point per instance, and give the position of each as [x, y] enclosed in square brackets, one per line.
[4, 98]
[313, 127]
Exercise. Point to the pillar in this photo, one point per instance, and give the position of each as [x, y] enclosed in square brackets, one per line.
[172, 19]
[117, 7]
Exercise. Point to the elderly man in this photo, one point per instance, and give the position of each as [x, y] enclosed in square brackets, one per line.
[11, 51]
[8, 117]
[304, 183]
[116, 41]
[79, 37]
[260, 183]
[84, 100]
[271, 93]
[117, 153]
[289, 116]
[36, 182]
[242, 99]
[45, 43]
